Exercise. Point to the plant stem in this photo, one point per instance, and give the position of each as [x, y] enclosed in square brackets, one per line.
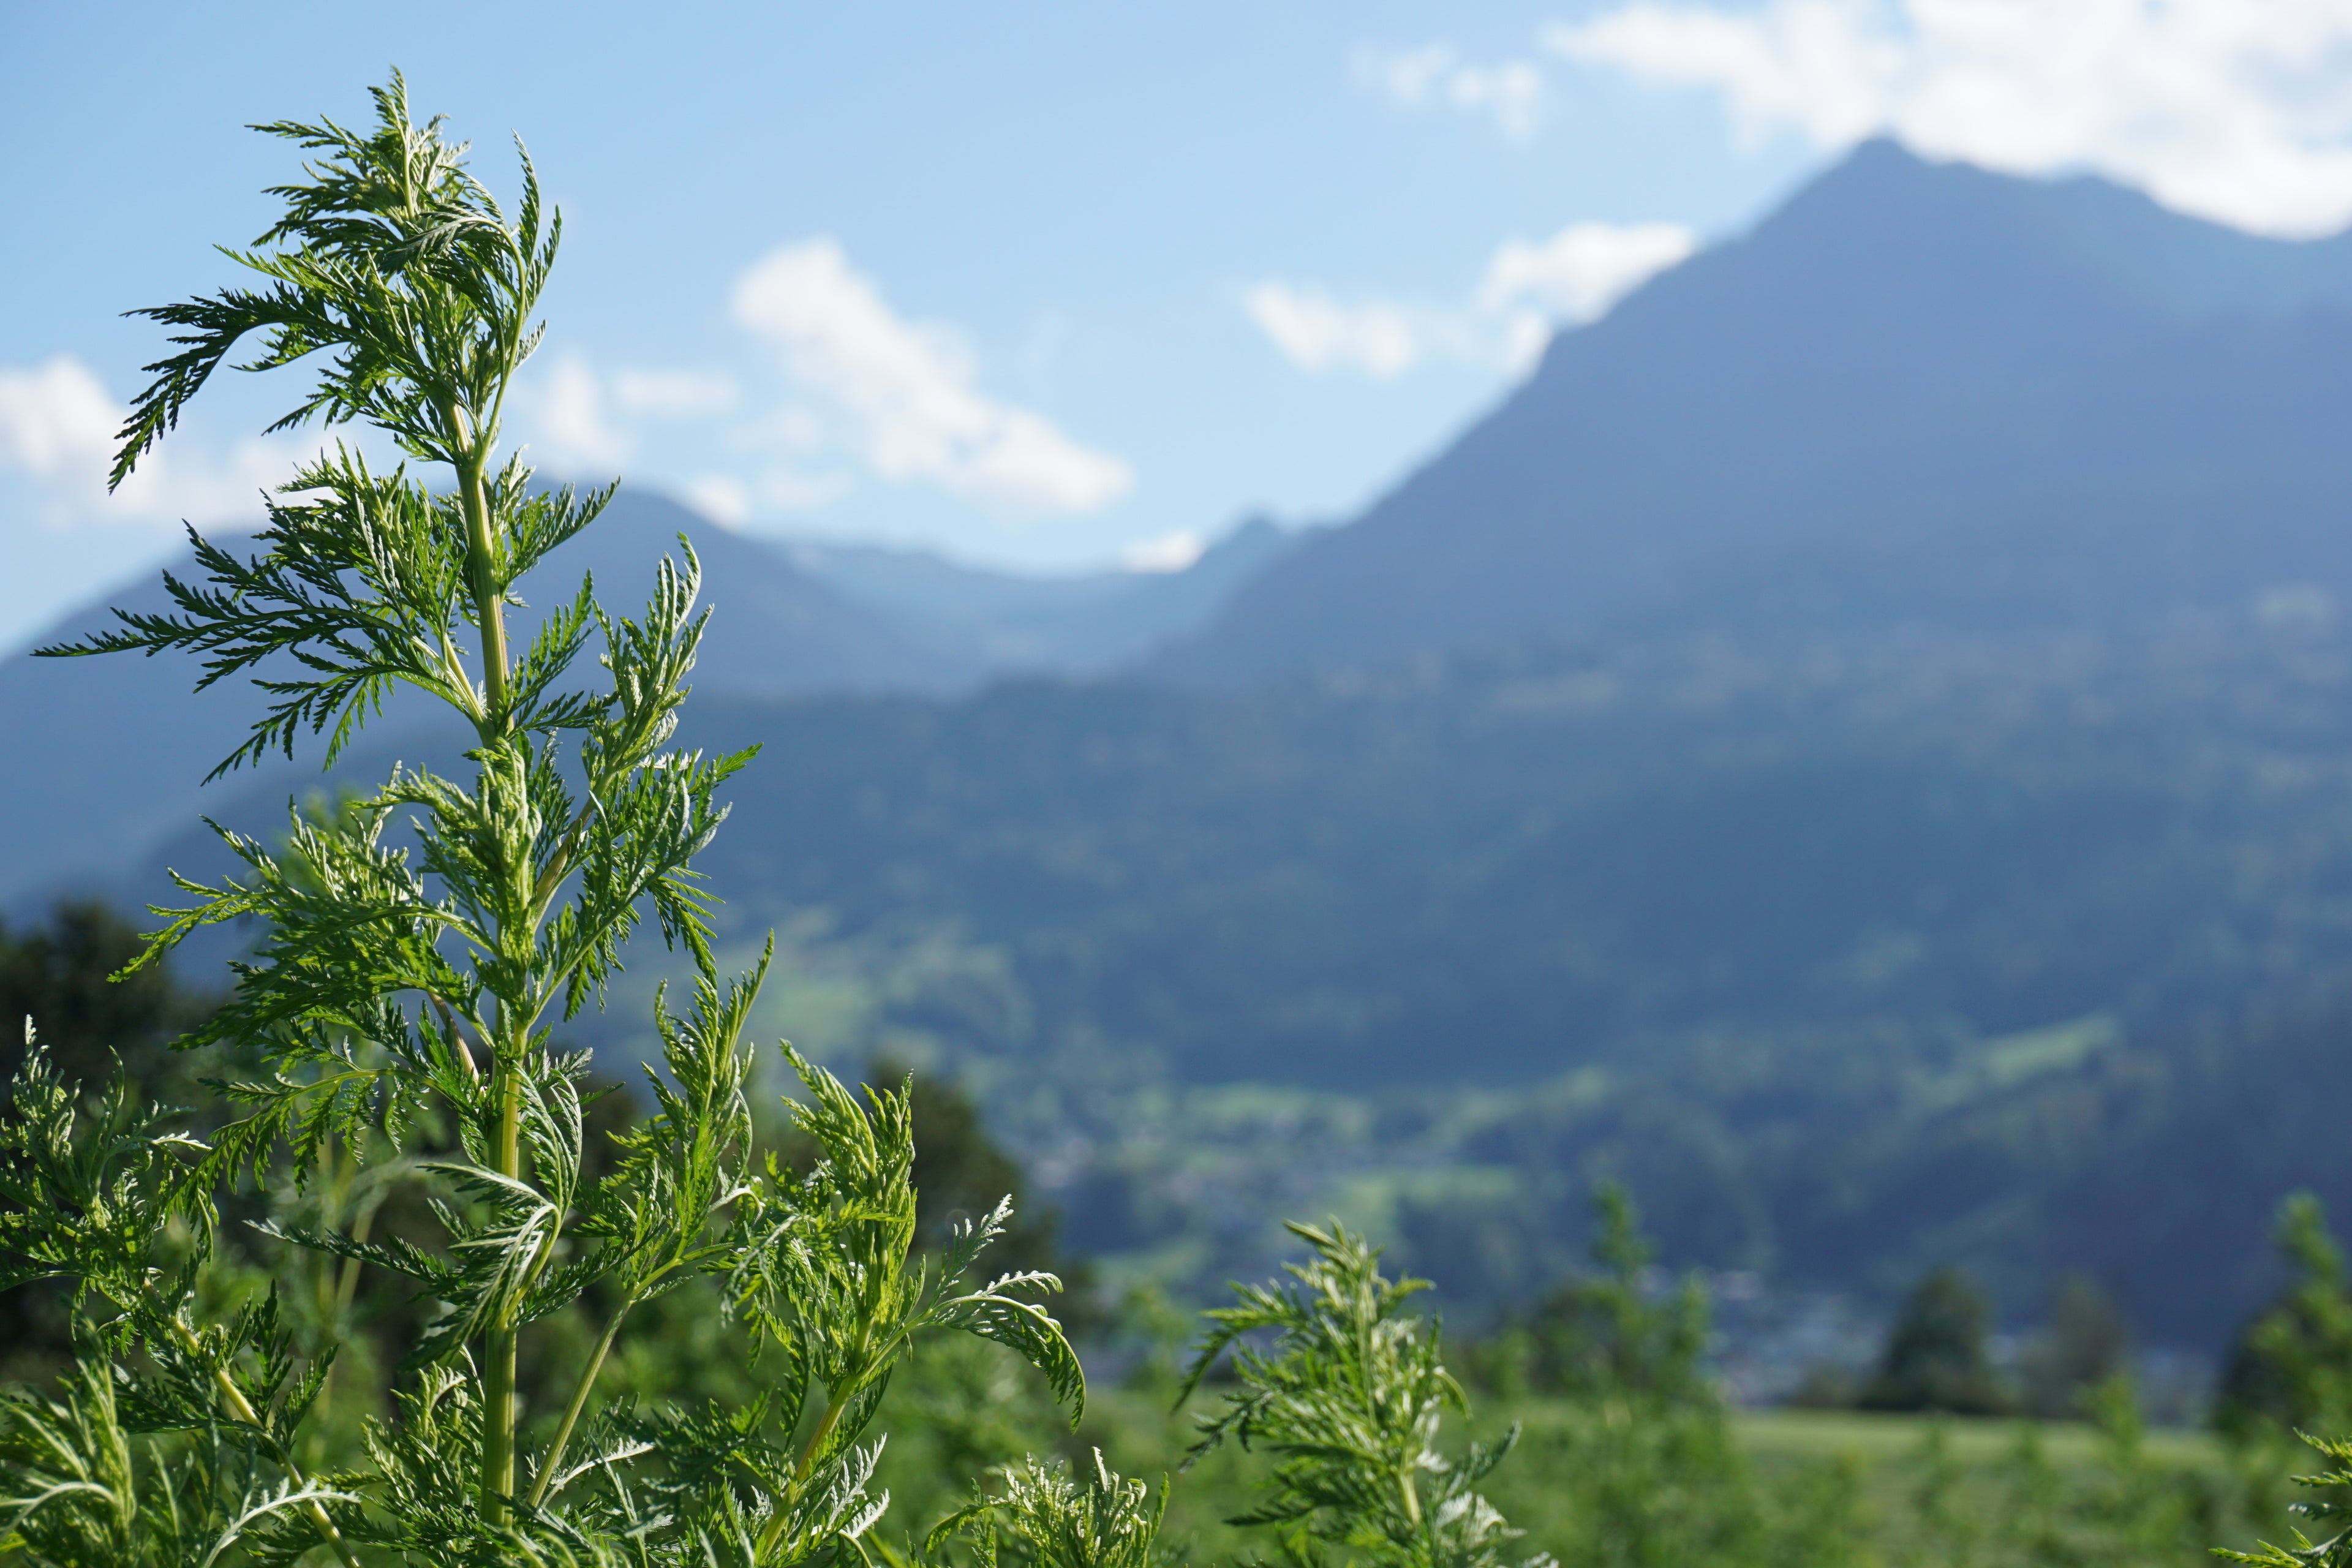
[578, 1401]
[801, 1467]
[825, 1423]
[457, 1037]
[240, 1409]
[499, 1382]
[490, 607]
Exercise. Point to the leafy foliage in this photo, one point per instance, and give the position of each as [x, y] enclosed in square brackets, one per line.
[2086, 1344]
[1052, 1516]
[57, 971]
[64, 973]
[960, 1173]
[1349, 1397]
[392, 1028]
[2332, 1509]
[1650, 1456]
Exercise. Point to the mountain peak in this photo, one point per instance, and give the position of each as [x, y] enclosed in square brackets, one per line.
[1884, 200]
[1918, 388]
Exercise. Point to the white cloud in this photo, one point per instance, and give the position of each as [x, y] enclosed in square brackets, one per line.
[1511, 92]
[573, 424]
[1168, 552]
[1579, 272]
[1317, 332]
[728, 498]
[904, 394]
[797, 427]
[674, 393]
[1576, 276]
[792, 489]
[2239, 111]
[57, 422]
[722, 497]
[57, 429]
[584, 418]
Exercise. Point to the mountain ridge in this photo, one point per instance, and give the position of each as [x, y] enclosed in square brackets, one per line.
[127, 744]
[138, 743]
[1903, 353]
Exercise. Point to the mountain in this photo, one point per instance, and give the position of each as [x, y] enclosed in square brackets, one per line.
[118, 746]
[1851, 957]
[1915, 394]
[996, 623]
[1857, 746]
[122, 745]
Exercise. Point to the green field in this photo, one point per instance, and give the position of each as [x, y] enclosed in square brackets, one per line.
[1755, 1488]
[1776, 1435]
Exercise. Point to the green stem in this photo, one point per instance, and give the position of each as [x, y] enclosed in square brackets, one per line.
[240, 1409]
[1412, 1497]
[343, 1290]
[578, 1401]
[824, 1427]
[457, 1037]
[490, 606]
[559, 863]
[802, 1465]
[348, 1289]
[498, 1379]
[499, 1376]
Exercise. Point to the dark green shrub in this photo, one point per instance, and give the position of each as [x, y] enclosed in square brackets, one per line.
[1934, 1357]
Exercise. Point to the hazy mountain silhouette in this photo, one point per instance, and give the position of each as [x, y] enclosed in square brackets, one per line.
[123, 746]
[1916, 393]
[119, 746]
[994, 623]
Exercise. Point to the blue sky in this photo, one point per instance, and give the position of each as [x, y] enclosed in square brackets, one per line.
[1046, 285]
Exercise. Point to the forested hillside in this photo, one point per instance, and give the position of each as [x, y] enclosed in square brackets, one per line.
[1853, 958]
[1857, 744]
[1853, 955]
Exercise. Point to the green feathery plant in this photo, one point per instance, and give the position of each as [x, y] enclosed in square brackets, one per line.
[1348, 1397]
[2332, 1509]
[398, 989]
[1047, 1517]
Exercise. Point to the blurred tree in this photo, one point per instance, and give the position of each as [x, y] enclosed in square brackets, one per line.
[1935, 1357]
[1648, 1453]
[60, 975]
[2085, 1343]
[1601, 1337]
[2292, 1364]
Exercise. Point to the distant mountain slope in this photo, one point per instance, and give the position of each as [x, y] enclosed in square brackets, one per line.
[1855, 956]
[997, 624]
[110, 751]
[1528, 858]
[1915, 392]
[115, 746]
[776, 629]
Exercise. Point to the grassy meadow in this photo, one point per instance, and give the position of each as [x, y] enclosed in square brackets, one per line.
[1785, 1486]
